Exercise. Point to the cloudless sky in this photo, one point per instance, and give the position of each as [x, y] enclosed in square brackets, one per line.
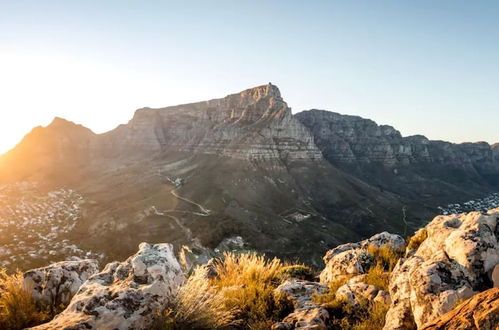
[425, 67]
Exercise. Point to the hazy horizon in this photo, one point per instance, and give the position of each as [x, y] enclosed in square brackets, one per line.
[424, 68]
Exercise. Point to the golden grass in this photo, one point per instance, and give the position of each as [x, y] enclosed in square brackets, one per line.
[416, 240]
[373, 318]
[378, 277]
[247, 282]
[18, 309]
[385, 256]
[198, 305]
[301, 272]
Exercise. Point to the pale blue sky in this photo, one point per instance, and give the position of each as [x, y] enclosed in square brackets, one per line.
[428, 67]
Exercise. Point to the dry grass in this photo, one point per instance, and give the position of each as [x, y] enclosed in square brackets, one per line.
[18, 309]
[247, 282]
[378, 277]
[301, 272]
[329, 299]
[374, 317]
[416, 240]
[198, 305]
[386, 256]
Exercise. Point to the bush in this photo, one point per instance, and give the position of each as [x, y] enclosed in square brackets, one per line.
[18, 309]
[418, 238]
[373, 317]
[385, 256]
[247, 282]
[378, 277]
[198, 305]
[301, 272]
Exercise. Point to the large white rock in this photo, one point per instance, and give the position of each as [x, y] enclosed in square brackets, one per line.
[355, 291]
[454, 262]
[307, 314]
[352, 259]
[56, 284]
[126, 295]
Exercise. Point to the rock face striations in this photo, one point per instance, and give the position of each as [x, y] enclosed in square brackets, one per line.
[408, 166]
[253, 124]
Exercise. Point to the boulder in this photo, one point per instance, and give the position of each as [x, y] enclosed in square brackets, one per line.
[56, 284]
[125, 295]
[307, 314]
[454, 262]
[352, 259]
[480, 312]
[355, 292]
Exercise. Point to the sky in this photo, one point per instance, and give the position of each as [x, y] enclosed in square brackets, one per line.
[425, 67]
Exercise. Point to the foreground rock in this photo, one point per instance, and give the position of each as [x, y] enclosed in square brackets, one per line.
[355, 292]
[479, 312]
[56, 284]
[126, 295]
[307, 314]
[454, 262]
[352, 259]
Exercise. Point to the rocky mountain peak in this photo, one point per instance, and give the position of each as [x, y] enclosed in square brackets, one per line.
[254, 123]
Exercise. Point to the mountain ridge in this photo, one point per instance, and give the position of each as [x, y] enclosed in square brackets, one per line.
[263, 173]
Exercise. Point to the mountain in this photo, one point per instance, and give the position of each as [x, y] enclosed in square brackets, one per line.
[289, 185]
[411, 167]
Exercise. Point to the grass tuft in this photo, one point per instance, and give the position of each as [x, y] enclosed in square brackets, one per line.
[418, 238]
[198, 305]
[247, 282]
[18, 309]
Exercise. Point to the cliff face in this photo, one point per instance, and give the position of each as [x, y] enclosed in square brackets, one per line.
[350, 139]
[380, 155]
[253, 124]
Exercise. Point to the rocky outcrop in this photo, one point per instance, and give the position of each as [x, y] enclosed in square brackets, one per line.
[453, 263]
[355, 292]
[307, 314]
[352, 259]
[481, 312]
[56, 284]
[126, 295]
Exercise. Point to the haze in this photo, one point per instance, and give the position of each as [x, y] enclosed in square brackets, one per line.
[424, 67]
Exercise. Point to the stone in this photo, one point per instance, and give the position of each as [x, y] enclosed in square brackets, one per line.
[56, 284]
[125, 295]
[495, 276]
[453, 263]
[352, 259]
[307, 314]
[481, 312]
[355, 292]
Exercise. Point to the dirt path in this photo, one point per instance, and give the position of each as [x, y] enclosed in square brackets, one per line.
[204, 212]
